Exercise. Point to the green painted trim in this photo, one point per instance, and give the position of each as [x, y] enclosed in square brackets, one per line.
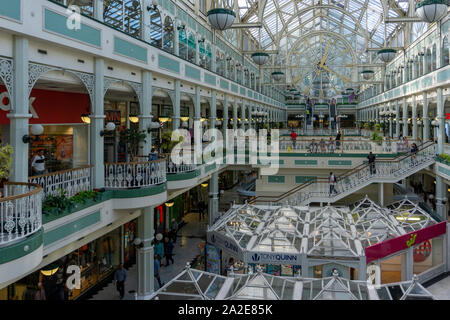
[339, 162]
[304, 179]
[305, 162]
[260, 54]
[139, 192]
[444, 170]
[209, 78]
[46, 218]
[71, 228]
[192, 73]
[430, 2]
[210, 167]
[56, 23]
[221, 11]
[168, 63]
[11, 9]
[224, 84]
[183, 176]
[16, 251]
[277, 73]
[337, 155]
[367, 71]
[129, 49]
[387, 50]
[276, 179]
[234, 88]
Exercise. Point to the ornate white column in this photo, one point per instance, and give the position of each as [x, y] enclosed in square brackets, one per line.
[145, 255]
[145, 117]
[414, 118]
[176, 105]
[397, 116]
[425, 118]
[405, 117]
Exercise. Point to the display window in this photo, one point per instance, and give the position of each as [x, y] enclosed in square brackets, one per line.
[129, 234]
[428, 254]
[391, 268]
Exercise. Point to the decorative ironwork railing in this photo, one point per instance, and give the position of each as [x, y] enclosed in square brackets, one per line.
[71, 181]
[135, 174]
[20, 211]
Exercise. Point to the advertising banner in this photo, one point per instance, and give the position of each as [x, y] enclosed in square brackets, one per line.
[388, 247]
[226, 244]
[212, 259]
[273, 258]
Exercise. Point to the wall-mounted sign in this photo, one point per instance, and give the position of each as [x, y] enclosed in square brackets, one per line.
[225, 244]
[112, 116]
[388, 247]
[273, 258]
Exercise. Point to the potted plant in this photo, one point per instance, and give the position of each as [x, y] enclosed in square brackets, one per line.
[167, 143]
[6, 153]
[133, 137]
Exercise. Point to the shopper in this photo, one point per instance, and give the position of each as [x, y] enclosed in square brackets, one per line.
[202, 209]
[331, 145]
[332, 181]
[159, 250]
[322, 145]
[338, 140]
[168, 251]
[414, 151]
[230, 266]
[153, 155]
[156, 270]
[173, 231]
[38, 163]
[294, 138]
[371, 158]
[120, 276]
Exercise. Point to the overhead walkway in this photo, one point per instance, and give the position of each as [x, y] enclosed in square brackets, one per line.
[386, 171]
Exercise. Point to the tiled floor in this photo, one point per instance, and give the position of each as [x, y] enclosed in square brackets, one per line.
[186, 249]
[441, 289]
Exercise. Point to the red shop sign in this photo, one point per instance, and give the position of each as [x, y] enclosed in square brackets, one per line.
[447, 116]
[388, 247]
[49, 107]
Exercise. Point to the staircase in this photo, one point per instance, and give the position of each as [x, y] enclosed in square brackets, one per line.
[386, 171]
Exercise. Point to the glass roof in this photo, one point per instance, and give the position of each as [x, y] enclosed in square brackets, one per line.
[319, 231]
[193, 284]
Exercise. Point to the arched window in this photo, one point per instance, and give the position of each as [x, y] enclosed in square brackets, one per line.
[416, 67]
[183, 43]
[421, 64]
[246, 78]
[168, 34]
[156, 30]
[428, 61]
[257, 84]
[434, 59]
[125, 15]
[202, 54]
[192, 47]
[208, 56]
[445, 52]
[252, 81]
[232, 70]
[239, 74]
[220, 64]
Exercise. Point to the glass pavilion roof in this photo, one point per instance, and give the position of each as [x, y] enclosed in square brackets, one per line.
[193, 284]
[320, 231]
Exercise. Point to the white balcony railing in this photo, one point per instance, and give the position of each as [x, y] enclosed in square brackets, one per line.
[71, 181]
[135, 174]
[176, 167]
[20, 211]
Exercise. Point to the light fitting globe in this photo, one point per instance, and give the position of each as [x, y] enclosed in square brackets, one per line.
[36, 129]
[110, 126]
[431, 10]
[221, 18]
[387, 54]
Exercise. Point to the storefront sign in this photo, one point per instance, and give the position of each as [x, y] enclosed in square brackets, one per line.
[49, 107]
[112, 116]
[388, 247]
[273, 258]
[225, 244]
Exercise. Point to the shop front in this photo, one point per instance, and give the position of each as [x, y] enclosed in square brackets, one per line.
[96, 260]
[65, 139]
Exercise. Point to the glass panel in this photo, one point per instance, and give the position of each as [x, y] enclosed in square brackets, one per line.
[428, 254]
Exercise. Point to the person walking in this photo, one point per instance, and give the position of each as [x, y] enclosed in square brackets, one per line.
[38, 163]
[331, 145]
[371, 158]
[414, 150]
[332, 181]
[159, 250]
[120, 276]
[174, 230]
[153, 155]
[168, 251]
[294, 138]
[156, 270]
